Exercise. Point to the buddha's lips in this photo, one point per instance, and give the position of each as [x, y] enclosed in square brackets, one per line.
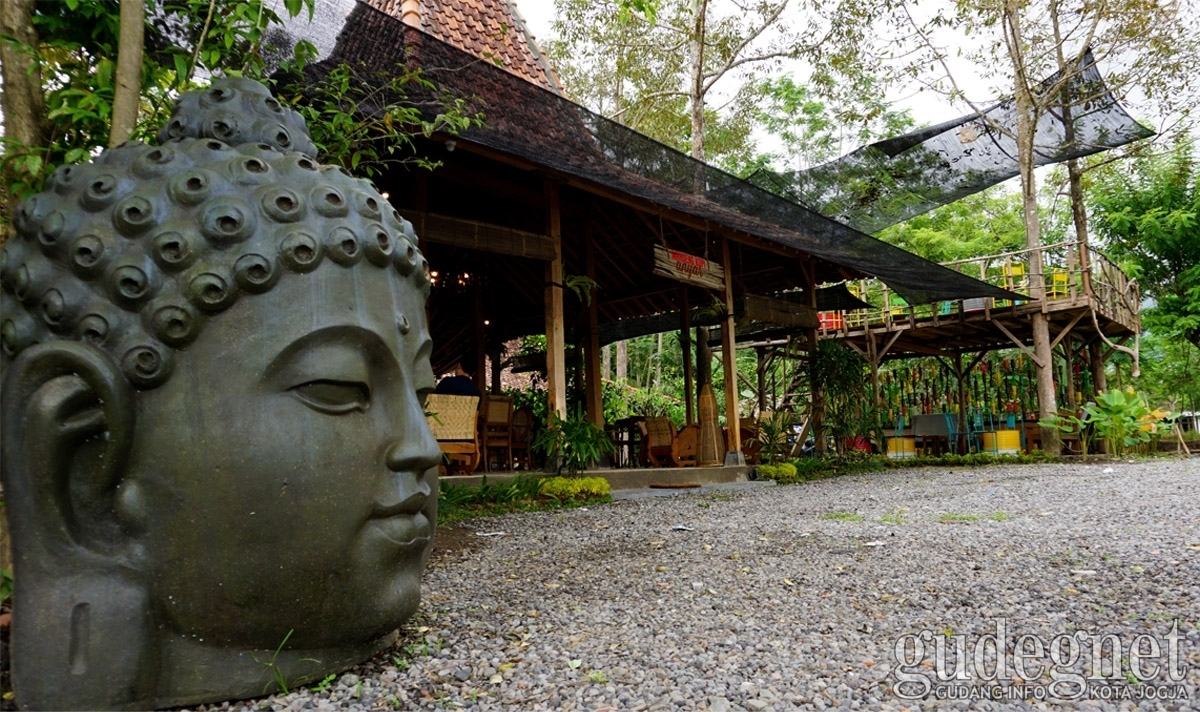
[405, 529]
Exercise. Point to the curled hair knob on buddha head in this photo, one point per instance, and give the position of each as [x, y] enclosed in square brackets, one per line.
[136, 249]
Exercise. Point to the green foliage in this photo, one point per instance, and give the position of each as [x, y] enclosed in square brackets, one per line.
[6, 586]
[783, 473]
[633, 68]
[565, 489]
[813, 128]
[1125, 421]
[576, 443]
[522, 493]
[1169, 366]
[324, 683]
[78, 50]
[365, 143]
[849, 407]
[276, 672]
[1148, 215]
[774, 436]
[622, 400]
[1069, 423]
[185, 40]
[986, 223]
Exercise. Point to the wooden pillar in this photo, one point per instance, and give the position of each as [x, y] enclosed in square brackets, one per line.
[593, 382]
[479, 368]
[760, 372]
[556, 360]
[729, 362]
[960, 374]
[816, 421]
[685, 343]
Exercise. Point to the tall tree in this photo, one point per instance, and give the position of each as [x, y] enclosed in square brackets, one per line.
[1147, 214]
[1146, 45]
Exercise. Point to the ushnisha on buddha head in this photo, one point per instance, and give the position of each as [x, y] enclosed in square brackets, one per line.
[214, 444]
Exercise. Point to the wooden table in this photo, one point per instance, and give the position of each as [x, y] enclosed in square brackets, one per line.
[932, 431]
[626, 435]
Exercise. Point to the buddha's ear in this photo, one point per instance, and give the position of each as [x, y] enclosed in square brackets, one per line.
[83, 628]
[68, 419]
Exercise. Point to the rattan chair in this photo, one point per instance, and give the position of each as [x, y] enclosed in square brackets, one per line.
[659, 439]
[452, 420]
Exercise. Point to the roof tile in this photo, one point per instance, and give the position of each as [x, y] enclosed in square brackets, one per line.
[487, 29]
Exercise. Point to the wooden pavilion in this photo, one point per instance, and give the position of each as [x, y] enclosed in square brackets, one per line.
[548, 193]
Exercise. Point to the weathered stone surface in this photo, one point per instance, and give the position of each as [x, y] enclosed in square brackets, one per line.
[215, 458]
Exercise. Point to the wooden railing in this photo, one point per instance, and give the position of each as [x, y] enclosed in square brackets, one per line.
[1062, 276]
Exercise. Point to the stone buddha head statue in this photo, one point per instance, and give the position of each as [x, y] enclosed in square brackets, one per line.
[216, 464]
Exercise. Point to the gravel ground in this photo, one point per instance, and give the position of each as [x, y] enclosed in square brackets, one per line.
[796, 597]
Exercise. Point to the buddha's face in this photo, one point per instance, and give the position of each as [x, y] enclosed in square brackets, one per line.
[284, 469]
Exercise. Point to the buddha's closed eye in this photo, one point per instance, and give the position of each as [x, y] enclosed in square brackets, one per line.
[333, 397]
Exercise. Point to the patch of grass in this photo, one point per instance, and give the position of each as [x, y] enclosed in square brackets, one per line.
[896, 517]
[843, 516]
[324, 684]
[598, 677]
[956, 517]
[1000, 516]
[523, 493]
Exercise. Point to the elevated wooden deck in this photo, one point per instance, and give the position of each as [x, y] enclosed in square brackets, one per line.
[1085, 296]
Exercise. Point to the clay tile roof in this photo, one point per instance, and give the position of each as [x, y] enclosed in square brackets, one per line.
[492, 30]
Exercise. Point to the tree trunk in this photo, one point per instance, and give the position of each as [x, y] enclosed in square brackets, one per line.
[622, 361]
[128, 79]
[1099, 376]
[606, 361]
[696, 78]
[658, 359]
[25, 124]
[696, 104]
[1026, 128]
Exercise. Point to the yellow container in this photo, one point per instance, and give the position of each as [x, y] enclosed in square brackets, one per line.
[1003, 442]
[900, 447]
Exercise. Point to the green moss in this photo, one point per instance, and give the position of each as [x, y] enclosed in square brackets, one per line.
[574, 488]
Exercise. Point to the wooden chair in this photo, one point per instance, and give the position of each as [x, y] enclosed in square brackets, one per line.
[751, 445]
[1060, 285]
[685, 446]
[659, 438]
[522, 438]
[452, 420]
[497, 417]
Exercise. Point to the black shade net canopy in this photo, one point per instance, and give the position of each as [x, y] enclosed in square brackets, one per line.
[891, 181]
[544, 129]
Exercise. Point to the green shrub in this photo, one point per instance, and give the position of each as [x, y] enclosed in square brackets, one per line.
[574, 488]
[783, 473]
[577, 443]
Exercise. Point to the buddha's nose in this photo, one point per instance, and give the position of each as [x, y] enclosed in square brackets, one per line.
[415, 449]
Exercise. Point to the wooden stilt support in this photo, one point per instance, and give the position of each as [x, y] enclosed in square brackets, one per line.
[479, 366]
[556, 360]
[593, 384]
[733, 455]
[685, 343]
